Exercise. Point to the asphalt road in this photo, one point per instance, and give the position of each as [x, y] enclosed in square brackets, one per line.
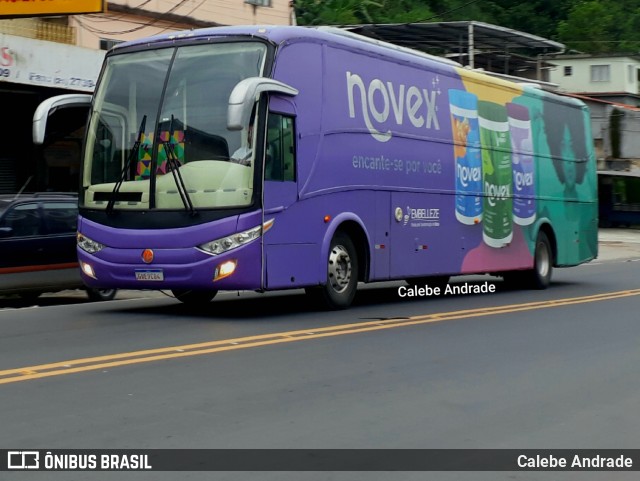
[511, 369]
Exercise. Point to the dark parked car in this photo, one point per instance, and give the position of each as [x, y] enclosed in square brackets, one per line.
[38, 246]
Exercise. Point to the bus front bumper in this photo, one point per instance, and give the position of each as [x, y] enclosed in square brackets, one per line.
[184, 268]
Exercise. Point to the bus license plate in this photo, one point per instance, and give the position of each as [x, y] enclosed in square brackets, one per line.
[150, 275]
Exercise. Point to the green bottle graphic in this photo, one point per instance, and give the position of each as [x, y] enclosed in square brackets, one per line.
[497, 175]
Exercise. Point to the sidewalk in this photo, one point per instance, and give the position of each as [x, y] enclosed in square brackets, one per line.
[618, 244]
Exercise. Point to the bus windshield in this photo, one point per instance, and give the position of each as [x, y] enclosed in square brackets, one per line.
[158, 137]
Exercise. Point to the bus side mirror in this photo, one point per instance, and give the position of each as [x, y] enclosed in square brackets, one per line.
[49, 106]
[245, 94]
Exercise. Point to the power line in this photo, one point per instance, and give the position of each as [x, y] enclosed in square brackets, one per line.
[141, 26]
[187, 14]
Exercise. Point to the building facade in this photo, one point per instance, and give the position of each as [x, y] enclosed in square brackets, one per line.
[613, 78]
[610, 86]
[131, 19]
[45, 56]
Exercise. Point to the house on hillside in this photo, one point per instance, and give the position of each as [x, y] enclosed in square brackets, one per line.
[610, 86]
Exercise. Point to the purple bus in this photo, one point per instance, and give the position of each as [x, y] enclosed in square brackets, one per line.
[266, 158]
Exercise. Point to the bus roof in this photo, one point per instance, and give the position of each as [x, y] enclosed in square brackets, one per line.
[281, 34]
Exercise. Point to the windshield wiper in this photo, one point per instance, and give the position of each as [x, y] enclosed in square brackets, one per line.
[127, 165]
[173, 165]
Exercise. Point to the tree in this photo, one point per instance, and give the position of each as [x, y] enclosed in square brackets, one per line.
[334, 12]
[538, 17]
[590, 27]
[352, 12]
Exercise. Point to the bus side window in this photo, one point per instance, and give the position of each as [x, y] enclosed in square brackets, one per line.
[280, 156]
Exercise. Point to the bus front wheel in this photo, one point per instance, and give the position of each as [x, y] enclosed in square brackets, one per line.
[101, 295]
[194, 297]
[342, 274]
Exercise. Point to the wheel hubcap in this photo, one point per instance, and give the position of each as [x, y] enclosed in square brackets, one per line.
[339, 268]
[543, 260]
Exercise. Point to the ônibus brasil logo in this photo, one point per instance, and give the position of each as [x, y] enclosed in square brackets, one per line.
[419, 104]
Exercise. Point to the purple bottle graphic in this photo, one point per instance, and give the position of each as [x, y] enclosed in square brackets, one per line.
[524, 204]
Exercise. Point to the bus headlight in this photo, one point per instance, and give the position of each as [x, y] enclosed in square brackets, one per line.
[224, 244]
[87, 244]
[88, 270]
[225, 269]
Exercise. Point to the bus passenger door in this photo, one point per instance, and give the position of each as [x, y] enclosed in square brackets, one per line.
[419, 245]
[286, 257]
[380, 263]
[280, 188]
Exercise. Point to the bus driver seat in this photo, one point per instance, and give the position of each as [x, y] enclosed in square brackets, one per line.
[203, 146]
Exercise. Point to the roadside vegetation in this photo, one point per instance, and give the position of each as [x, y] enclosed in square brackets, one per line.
[596, 26]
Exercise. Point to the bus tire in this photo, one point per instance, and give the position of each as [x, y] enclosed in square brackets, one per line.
[540, 276]
[194, 297]
[29, 296]
[101, 295]
[342, 275]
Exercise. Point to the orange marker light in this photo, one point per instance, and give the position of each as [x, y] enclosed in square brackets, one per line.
[147, 256]
[327, 218]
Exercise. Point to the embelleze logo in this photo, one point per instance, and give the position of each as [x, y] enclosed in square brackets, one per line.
[420, 105]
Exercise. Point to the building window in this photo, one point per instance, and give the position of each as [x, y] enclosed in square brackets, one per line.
[108, 43]
[600, 73]
[568, 71]
[631, 73]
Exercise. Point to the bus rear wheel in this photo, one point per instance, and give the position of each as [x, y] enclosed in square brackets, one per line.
[539, 277]
[194, 297]
[342, 275]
